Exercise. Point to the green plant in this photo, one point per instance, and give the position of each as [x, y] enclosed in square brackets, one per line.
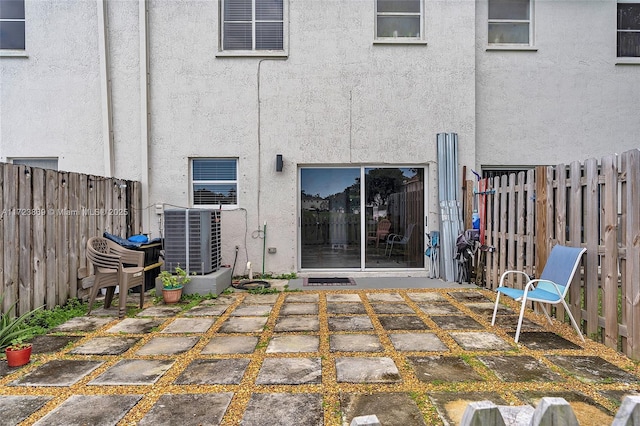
[18, 344]
[15, 329]
[44, 320]
[173, 282]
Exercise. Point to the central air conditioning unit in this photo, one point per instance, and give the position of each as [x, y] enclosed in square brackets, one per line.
[192, 240]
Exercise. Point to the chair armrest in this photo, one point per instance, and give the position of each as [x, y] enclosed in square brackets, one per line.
[129, 257]
[394, 237]
[504, 275]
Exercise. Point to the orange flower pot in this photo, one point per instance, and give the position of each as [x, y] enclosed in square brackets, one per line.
[172, 296]
[18, 357]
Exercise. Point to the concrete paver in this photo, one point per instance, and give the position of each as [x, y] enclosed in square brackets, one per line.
[226, 345]
[15, 409]
[284, 409]
[189, 325]
[391, 408]
[167, 345]
[443, 369]
[293, 343]
[367, 370]
[135, 326]
[409, 356]
[404, 322]
[290, 308]
[592, 368]
[99, 410]
[297, 323]
[243, 325]
[252, 310]
[543, 340]
[105, 346]
[48, 343]
[82, 324]
[207, 310]
[191, 409]
[133, 372]
[214, 372]
[439, 309]
[456, 322]
[290, 371]
[355, 343]
[359, 323]
[519, 369]
[302, 298]
[417, 342]
[480, 341]
[57, 373]
[346, 308]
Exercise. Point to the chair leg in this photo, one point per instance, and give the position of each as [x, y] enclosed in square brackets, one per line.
[522, 308]
[108, 297]
[142, 295]
[92, 296]
[573, 321]
[495, 309]
[122, 302]
[546, 314]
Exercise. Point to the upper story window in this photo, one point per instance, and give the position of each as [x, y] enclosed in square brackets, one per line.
[12, 24]
[628, 29]
[252, 25]
[43, 163]
[214, 182]
[510, 22]
[399, 19]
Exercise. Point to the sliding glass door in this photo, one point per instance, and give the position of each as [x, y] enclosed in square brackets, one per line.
[334, 232]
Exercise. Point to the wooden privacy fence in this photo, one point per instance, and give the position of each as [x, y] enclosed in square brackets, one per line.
[594, 204]
[46, 218]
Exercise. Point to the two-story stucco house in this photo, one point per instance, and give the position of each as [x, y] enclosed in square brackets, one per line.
[316, 117]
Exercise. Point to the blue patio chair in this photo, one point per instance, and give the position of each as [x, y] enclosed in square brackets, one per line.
[551, 287]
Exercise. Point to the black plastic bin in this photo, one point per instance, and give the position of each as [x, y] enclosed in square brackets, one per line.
[151, 258]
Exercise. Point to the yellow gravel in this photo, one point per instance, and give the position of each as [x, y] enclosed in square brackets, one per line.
[330, 388]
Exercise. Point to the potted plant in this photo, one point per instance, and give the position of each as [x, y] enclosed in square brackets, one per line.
[172, 284]
[18, 353]
[13, 331]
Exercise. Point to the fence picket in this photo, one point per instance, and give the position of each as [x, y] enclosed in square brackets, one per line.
[25, 271]
[610, 262]
[591, 212]
[11, 234]
[39, 237]
[51, 201]
[631, 211]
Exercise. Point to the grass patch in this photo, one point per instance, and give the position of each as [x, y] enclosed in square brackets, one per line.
[44, 320]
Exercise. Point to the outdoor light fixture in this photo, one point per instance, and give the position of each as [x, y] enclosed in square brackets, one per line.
[278, 162]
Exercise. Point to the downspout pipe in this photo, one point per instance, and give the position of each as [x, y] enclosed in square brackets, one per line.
[143, 26]
[105, 88]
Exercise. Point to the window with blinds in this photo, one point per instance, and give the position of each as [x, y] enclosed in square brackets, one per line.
[214, 182]
[399, 19]
[253, 25]
[12, 24]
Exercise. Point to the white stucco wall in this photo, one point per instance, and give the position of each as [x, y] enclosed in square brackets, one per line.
[49, 101]
[568, 100]
[337, 99]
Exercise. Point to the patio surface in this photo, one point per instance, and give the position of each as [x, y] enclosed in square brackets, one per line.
[410, 356]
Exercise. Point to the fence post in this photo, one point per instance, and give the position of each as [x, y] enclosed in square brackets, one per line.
[542, 204]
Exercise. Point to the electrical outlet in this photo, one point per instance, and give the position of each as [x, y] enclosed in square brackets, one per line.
[271, 250]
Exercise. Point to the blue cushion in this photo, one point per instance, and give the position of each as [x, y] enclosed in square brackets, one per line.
[138, 238]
